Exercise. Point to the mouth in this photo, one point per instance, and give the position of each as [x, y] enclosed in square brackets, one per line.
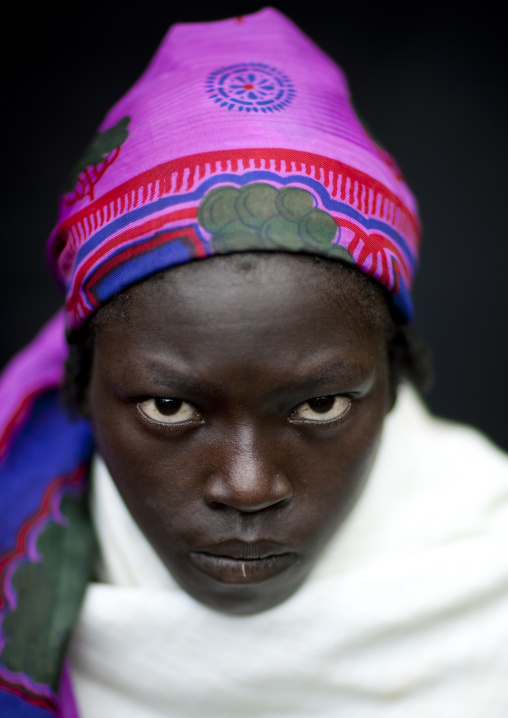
[241, 562]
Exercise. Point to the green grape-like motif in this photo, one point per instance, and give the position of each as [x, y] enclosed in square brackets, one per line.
[235, 237]
[258, 216]
[294, 203]
[255, 204]
[341, 253]
[318, 228]
[279, 232]
[218, 208]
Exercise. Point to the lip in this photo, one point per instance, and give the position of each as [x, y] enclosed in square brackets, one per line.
[241, 562]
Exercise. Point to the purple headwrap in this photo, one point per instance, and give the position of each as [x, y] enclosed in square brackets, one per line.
[239, 137]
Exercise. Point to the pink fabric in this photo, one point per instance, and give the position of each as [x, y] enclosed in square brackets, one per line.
[174, 129]
[172, 117]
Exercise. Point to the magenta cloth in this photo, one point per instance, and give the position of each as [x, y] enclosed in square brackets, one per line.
[223, 105]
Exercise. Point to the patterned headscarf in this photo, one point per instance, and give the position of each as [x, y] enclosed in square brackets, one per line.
[239, 136]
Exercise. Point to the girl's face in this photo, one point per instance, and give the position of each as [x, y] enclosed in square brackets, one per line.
[239, 413]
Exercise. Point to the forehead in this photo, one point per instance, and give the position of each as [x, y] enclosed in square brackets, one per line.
[277, 310]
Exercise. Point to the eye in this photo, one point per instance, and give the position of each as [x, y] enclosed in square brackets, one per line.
[169, 411]
[322, 409]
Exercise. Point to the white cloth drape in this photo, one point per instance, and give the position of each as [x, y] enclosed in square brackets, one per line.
[405, 615]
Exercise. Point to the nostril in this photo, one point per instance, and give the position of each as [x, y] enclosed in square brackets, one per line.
[282, 489]
[247, 493]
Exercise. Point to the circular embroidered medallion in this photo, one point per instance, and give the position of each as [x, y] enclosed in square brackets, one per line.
[250, 87]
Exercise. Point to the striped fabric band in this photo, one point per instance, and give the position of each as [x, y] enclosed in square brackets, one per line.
[152, 222]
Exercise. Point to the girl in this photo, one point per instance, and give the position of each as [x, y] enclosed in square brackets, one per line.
[281, 528]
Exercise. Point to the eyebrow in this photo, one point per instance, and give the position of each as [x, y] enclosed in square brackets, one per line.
[330, 378]
[172, 374]
[337, 372]
[340, 376]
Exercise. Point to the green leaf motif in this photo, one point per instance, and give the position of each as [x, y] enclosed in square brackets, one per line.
[49, 596]
[261, 217]
[102, 144]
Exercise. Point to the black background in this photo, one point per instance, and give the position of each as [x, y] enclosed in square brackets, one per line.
[431, 84]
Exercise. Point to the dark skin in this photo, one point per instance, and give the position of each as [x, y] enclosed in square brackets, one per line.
[239, 414]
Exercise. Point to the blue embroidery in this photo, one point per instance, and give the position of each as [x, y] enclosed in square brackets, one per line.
[250, 87]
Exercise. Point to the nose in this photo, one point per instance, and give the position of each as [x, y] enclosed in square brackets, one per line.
[244, 477]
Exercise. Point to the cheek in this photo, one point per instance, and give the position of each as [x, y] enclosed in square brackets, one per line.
[155, 486]
[333, 479]
[142, 467]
